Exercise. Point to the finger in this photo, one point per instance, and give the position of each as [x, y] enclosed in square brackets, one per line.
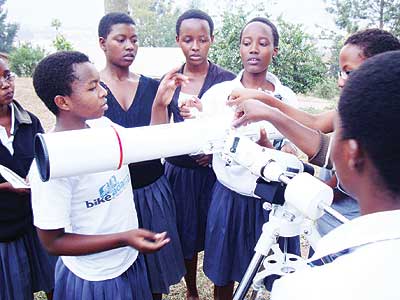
[180, 78]
[186, 115]
[231, 102]
[203, 161]
[146, 234]
[160, 236]
[173, 71]
[241, 121]
[184, 109]
[264, 141]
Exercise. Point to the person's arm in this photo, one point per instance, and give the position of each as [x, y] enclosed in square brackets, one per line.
[322, 121]
[58, 242]
[306, 139]
[165, 92]
[6, 186]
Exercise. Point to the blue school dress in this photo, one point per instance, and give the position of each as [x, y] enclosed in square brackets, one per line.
[132, 284]
[191, 183]
[25, 267]
[235, 218]
[152, 192]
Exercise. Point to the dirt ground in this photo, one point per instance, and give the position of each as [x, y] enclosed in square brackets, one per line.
[24, 93]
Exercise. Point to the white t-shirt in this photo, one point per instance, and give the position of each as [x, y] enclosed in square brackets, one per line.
[235, 177]
[368, 272]
[100, 203]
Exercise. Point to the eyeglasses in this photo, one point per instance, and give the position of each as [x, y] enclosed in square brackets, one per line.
[9, 77]
[344, 74]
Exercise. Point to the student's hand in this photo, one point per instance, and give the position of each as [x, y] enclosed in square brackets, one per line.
[190, 107]
[252, 111]
[168, 85]
[6, 186]
[203, 160]
[289, 148]
[146, 241]
[239, 95]
[264, 141]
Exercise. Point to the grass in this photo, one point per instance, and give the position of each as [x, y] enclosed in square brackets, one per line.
[26, 96]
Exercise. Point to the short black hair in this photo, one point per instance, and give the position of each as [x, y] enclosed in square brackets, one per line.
[267, 22]
[111, 19]
[369, 109]
[374, 41]
[54, 74]
[194, 14]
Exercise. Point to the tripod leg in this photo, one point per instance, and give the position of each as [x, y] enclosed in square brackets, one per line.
[247, 280]
[268, 237]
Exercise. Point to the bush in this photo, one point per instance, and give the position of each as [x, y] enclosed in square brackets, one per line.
[24, 59]
[326, 89]
[298, 64]
[225, 50]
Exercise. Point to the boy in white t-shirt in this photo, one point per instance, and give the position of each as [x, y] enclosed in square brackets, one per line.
[89, 220]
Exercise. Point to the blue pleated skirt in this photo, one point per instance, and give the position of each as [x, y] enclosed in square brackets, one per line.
[234, 225]
[133, 284]
[347, 206]
[156, 212]
[192, 193]
[25, 267]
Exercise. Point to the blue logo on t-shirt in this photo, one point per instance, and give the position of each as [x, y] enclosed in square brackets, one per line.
[109, 191]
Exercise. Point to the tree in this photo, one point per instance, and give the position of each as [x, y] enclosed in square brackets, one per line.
[298, 64]
[60, 42]
[24, 58]
[155, 20]
[8, 31]
[116, 6]
[225, 50]
[352, 15]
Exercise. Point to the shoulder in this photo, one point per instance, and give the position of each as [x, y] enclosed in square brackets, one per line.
[221, 72]
[26, 117]
[150, 82]
[101, 123]
[222, 87]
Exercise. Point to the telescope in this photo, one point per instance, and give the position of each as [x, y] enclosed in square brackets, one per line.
[108, 148]
[93, 150]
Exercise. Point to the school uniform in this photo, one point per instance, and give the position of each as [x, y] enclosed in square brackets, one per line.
[92, 204]
[191, 183]
[25, 267]
[235, 217]
[152, 192]
[367, 271]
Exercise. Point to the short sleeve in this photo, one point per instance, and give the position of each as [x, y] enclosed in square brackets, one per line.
[51, 201]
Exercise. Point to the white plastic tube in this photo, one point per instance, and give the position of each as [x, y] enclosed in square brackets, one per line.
[76, 152]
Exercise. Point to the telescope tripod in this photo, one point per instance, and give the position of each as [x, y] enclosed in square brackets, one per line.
[282, 223]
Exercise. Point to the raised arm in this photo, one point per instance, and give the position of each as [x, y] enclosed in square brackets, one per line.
[322, 121]
[165, 92]
[58, 242]
[306, 139]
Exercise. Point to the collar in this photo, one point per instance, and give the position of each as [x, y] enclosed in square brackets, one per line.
[368, 229]
[20, 114]
[269, 76]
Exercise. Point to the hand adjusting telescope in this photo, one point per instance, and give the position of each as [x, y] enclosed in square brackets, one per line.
[101, 149]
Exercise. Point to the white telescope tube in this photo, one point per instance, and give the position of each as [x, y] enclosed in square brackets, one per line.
[92, 150]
